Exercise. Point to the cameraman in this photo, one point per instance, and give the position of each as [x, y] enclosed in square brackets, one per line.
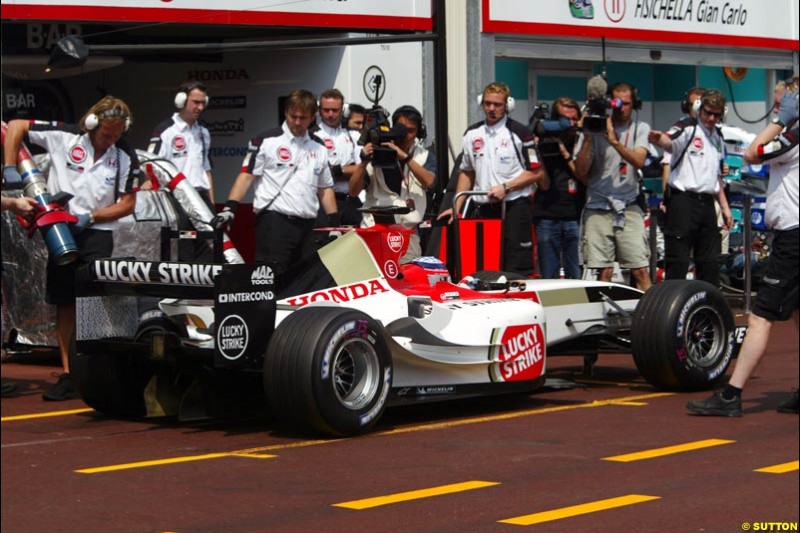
[557, 211]
[415, 168]
[607, 163]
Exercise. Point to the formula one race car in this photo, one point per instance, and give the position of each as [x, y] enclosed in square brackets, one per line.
[351, 331]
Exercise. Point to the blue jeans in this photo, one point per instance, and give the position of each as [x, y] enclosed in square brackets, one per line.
[557, 244]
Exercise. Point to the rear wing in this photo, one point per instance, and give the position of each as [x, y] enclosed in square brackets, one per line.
[243, 296]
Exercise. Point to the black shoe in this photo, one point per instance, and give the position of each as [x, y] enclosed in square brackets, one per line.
[790, 404]
[716, 405]
[62, 390]
[8, 389]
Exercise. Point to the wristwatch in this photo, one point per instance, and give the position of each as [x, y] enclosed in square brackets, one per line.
[91, 219]
[406, 159]
[506, 188]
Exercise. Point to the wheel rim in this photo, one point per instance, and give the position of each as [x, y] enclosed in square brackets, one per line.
[704, 336]
[355, 373]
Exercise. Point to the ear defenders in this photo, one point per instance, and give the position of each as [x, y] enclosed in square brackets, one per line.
[510, 102]
[93, 120]
[183, 94]
[411, 111]
[686, 105]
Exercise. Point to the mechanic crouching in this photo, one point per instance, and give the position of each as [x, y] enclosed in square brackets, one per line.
[90, 162]
[292, 176]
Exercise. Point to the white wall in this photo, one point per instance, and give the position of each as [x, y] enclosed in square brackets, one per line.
[259, 78]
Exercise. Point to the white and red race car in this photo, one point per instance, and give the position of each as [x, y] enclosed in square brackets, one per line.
[352, 331]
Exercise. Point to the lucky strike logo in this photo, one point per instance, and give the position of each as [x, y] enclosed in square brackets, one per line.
[178, 143]
[284, 154]
[395, 242]
[520, 354]
[477, 145]
[329, 143]
[697, 142]
[77, 154]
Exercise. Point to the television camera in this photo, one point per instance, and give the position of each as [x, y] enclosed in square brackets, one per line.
[598, 103]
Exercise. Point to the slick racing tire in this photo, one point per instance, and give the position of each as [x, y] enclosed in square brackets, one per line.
[328, 370]
[682, 335]
[114, 384]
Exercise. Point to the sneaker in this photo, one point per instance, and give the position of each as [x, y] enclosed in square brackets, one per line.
[62, 390]
[8, 389]
[790, 404]
[716, 405]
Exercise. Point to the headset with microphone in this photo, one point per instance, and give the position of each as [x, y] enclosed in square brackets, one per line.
[414, 114]
[182, 95]
[93, 120]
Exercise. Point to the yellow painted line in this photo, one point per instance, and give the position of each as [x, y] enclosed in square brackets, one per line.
[576, 510]
[398, 431]
[668, 450]
[631, 404]
[46, 415]
[377, 501]
[791, 466]
[252, 455]
[156, 462]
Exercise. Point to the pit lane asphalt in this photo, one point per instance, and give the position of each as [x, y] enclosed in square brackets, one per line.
[559, 458]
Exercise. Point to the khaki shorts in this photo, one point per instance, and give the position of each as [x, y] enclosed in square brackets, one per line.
[603, 244]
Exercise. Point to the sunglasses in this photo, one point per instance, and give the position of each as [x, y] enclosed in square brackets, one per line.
[711, 113]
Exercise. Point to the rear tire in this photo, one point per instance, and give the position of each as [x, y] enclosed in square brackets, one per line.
[328, 370]
[683, 335]
[114, 384]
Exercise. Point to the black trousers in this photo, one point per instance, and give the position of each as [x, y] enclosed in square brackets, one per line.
[517, 233]
[280, 238]
[691, 227]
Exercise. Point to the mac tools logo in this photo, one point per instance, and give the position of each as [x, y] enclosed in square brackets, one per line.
[263, 275]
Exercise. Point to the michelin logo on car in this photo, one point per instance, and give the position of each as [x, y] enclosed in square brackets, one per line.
[263, 275]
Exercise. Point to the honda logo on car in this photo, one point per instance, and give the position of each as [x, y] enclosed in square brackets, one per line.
[167, 273]
[232, 337]
[345, 293]
[262, 275]
[520, 353]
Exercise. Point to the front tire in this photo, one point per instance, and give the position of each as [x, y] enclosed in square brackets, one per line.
[683, 335]
[328, 370]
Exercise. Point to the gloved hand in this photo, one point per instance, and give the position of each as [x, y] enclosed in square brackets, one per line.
[11, 177]
[225, 217]
[788, 111]
[84, 221]
[334, 220]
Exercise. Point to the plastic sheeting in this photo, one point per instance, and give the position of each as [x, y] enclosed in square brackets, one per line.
[26, 315]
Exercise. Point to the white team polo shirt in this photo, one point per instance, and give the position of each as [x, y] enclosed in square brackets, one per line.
[186, 146]
[341, 150]
[698, 170]
[493, 153]
[782, 209]
[289, 172]
[73, 169]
